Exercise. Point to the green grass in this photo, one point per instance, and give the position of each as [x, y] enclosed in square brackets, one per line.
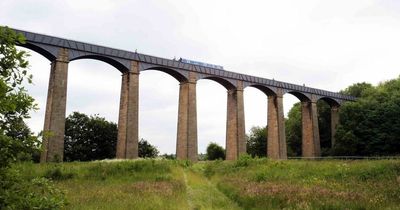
[243, 184]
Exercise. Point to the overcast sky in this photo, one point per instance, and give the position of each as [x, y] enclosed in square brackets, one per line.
[323, 44]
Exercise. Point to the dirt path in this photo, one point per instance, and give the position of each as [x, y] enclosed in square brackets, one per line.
[202, 194]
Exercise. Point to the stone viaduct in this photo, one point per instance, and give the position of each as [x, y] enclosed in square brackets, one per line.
[61, 51]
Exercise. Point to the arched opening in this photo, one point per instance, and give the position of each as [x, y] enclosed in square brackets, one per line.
[293, 122]
[256, 110]
[325, 123]
[158, 109]
[175, 74]
[94, 90]
[105, 59]
[212, 112]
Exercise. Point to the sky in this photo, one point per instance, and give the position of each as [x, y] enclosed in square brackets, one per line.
[322, 44]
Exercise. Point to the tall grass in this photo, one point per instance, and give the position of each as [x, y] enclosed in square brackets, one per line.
[299, 184]
[248, 183]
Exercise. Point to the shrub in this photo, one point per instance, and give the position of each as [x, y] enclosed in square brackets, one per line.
[57, 174]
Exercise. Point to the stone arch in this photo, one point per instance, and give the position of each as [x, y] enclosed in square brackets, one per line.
[332, 102]
[301, 96]
[266, 90]
[46, 53]
[175, 74]
[227, 84]
[105, 59]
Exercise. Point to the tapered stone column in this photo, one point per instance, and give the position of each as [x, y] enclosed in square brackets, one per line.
[334, 122]
[310, 131]
[276, 128]
[128, 121]
[186, 142]
[235, 126]
[54, 123]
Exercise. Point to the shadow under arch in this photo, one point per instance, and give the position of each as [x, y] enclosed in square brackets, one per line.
[45, 53]
[302, 97]
[332, 102]
[267, 91]
[228, 85]
[175, 74]
[105, 59]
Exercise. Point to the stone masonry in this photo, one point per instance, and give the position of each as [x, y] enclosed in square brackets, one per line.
[54, 123]
[235, 125]
[276, 128]
[310, 131]
[128, 121]
[186, 143]
[334, 122]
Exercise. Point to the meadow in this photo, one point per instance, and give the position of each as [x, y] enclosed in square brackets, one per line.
[243, 184]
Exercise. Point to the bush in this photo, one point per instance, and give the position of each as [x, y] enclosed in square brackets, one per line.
[243, 160]
[214, 152]
[57, 174]
[36, 193]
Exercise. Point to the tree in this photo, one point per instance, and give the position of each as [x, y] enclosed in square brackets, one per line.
[89, 138]
[294, 129]
[214, 152]
[257, 142]
[371, 125]
[146, 150]
[16, 140]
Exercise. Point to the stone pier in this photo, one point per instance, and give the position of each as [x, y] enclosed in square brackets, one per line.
[334, 122]
[128, 121]
[310, 131]
[235, 124]
[276, 128]
[54, 123]
[186, 143]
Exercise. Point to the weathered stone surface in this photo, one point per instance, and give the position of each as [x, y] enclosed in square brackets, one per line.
[276, 128]
[310, 131]
[128, 121]
[54, 124]
[334, 122]
[235, 124]
[186, 143]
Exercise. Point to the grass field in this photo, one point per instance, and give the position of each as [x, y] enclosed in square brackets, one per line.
[243, 184]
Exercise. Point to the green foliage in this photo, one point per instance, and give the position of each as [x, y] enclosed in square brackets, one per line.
[146, 150]
[371, 125]
[35, 193]
[257, 142]
[215, 152]
[57, 173]
[115, 184]
[16, 140]
[293, 184]
[169, 156]
[243, 160]
[89, 138]
[293, 130]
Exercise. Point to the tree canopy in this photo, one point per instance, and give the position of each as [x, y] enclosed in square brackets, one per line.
[146, 150]
[256, 144]
[89, 138]
[215, 152]
[371, 125]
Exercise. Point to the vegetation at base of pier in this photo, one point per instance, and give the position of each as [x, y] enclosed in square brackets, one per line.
[17, 143]
[248, 183]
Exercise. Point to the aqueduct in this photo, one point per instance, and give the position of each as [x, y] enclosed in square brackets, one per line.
[61, 51]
